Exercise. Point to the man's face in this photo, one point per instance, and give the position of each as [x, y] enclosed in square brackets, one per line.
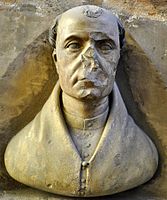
[87, 54]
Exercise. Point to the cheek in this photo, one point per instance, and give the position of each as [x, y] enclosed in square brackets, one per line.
[69, 66]
[109, 68]
[66, 55]
[68, 71]
[63, 78]
[110, 62]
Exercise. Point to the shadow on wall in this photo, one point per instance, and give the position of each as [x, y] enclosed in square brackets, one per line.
[31, 77]
[145, 94]
[24, 88]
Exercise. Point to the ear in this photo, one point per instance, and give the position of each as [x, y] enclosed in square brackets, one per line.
[121, 33]
[54, 56]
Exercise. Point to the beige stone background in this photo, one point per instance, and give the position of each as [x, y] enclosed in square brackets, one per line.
[27, 76]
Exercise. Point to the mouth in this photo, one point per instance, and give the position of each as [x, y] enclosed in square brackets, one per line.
[86, 83]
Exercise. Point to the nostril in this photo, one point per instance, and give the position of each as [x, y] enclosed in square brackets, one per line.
[94, 69]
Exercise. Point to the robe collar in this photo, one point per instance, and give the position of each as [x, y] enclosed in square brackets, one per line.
[114, 126]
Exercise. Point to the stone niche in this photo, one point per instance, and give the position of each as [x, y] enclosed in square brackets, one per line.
[27, 77]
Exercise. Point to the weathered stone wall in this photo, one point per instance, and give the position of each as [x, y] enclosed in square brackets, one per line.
[26, 83]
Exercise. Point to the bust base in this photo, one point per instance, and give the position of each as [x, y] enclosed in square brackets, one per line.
[33, 194]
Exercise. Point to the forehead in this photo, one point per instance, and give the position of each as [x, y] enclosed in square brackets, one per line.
[76, 23]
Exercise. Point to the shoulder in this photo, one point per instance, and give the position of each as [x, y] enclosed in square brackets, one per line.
[141, 148]
[22, 149]
[27, 149]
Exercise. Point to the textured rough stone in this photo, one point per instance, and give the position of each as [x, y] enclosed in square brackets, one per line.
[16, 103]
[147, 95]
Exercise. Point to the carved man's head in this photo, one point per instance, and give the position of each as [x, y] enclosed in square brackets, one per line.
[87, 42]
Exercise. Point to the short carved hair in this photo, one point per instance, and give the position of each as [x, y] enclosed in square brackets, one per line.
[53, 32]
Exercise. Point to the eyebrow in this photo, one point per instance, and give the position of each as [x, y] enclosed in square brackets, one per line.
[74, 36]
[99, 37]
[103, 36]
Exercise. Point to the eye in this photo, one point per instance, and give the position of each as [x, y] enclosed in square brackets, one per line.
[73, 46]
[105, 46]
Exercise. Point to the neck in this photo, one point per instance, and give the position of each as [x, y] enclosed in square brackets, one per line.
[84, 109]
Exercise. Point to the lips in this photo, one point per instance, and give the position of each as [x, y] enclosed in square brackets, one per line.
[93, 83]
[86, 82]
[88, 79]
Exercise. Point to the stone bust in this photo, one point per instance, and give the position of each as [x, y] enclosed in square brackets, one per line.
[83, 143]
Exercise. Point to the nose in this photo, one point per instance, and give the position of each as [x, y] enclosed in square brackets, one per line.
[90, 58]
[90, 52]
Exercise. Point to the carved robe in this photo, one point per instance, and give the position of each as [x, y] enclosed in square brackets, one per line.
[43, 155]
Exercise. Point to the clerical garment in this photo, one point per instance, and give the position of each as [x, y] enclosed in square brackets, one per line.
[43, 155]
[85, 132]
